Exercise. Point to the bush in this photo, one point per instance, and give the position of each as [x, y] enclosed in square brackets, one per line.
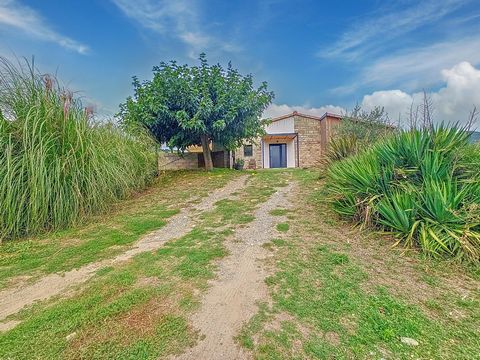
[357, 131]
[423, 186]
[56, 165]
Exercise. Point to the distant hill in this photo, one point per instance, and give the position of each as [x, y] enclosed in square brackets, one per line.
[475, 136]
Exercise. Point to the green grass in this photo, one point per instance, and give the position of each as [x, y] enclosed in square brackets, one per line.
[322, 290]
[139, 309]
[283, 227]
[279, 212]
[327, 304]
[107, 235]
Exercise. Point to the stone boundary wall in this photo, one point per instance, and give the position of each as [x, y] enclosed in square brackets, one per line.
[173, 161]
[190, 161]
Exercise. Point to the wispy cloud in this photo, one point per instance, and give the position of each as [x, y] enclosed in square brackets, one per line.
[179, 19]
[27, 20]
[388, 23]
[414, 69]
[419, 67]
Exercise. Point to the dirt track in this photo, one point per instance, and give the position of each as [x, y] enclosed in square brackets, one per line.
[14, 299]
[232, 297]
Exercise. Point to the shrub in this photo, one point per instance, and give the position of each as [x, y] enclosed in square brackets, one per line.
[357, 131]
[56, 165]
[423, 186]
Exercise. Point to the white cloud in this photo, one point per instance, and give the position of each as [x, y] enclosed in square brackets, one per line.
[462, 91]
[24, 18]
[380, 27]
[395, 102]
[417, 68]
[178, 18]
[275, 110]
[451, 103]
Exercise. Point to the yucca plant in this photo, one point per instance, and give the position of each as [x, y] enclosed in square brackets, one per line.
[57, 165]
[420, 185]
[339, 148]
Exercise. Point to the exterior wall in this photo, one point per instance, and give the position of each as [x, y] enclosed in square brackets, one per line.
[190, 161]
[313, 136]
[220, 159]
[254, 161]
[284, 126]
[328, 130]
[310, 140]
[291, 159]
[173, 161]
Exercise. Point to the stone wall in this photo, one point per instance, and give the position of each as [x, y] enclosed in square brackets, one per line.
[254, 161]
[309, 141]
[190, 161]
[174, 161]
[220, 159]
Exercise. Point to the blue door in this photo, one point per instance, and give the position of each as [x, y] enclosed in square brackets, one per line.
[278, 155]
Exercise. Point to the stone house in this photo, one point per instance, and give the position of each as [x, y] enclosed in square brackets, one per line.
[292, 140]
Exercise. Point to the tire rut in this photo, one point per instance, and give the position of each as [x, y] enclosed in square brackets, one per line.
[12, 300]
[240, 285]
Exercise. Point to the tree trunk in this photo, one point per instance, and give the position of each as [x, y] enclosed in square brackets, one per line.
[207, 155]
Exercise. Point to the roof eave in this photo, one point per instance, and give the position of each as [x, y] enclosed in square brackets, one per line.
[296, 113]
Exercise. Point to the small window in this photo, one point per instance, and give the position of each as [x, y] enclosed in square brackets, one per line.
[247, 150]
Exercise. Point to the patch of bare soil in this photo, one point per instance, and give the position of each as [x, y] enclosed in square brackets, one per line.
[231, 299]
[14, 299]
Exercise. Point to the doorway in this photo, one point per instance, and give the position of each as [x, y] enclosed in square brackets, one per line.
[278, 155]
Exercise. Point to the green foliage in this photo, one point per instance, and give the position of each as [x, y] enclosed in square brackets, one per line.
[283, 227]
[56, 165]
[357, 131]
[182, 103]
[420, 185]
[340, 147]
[366, 126]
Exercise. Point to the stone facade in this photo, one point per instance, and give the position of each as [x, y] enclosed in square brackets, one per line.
[309, 140]
[306, 137]
[311, 136]
[174, 161]
[191, 160]
[254, 161]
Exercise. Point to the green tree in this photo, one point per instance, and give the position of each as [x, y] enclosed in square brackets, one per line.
[196, 105]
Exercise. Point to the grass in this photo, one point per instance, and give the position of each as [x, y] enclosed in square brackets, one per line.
[337, 299]
[283, 227]
[106, 235]
[139, 309]
[57, 165]
[335, 292]
[279, 212]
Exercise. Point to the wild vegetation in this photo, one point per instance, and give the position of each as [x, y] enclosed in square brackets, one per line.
[341, 293]
[357, 131]
[57, 165]
[422, 186]
[137, 309]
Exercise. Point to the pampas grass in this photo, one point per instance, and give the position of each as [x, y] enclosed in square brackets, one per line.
[57, 166]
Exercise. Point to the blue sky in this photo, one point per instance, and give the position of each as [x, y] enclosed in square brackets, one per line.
[315, 55]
